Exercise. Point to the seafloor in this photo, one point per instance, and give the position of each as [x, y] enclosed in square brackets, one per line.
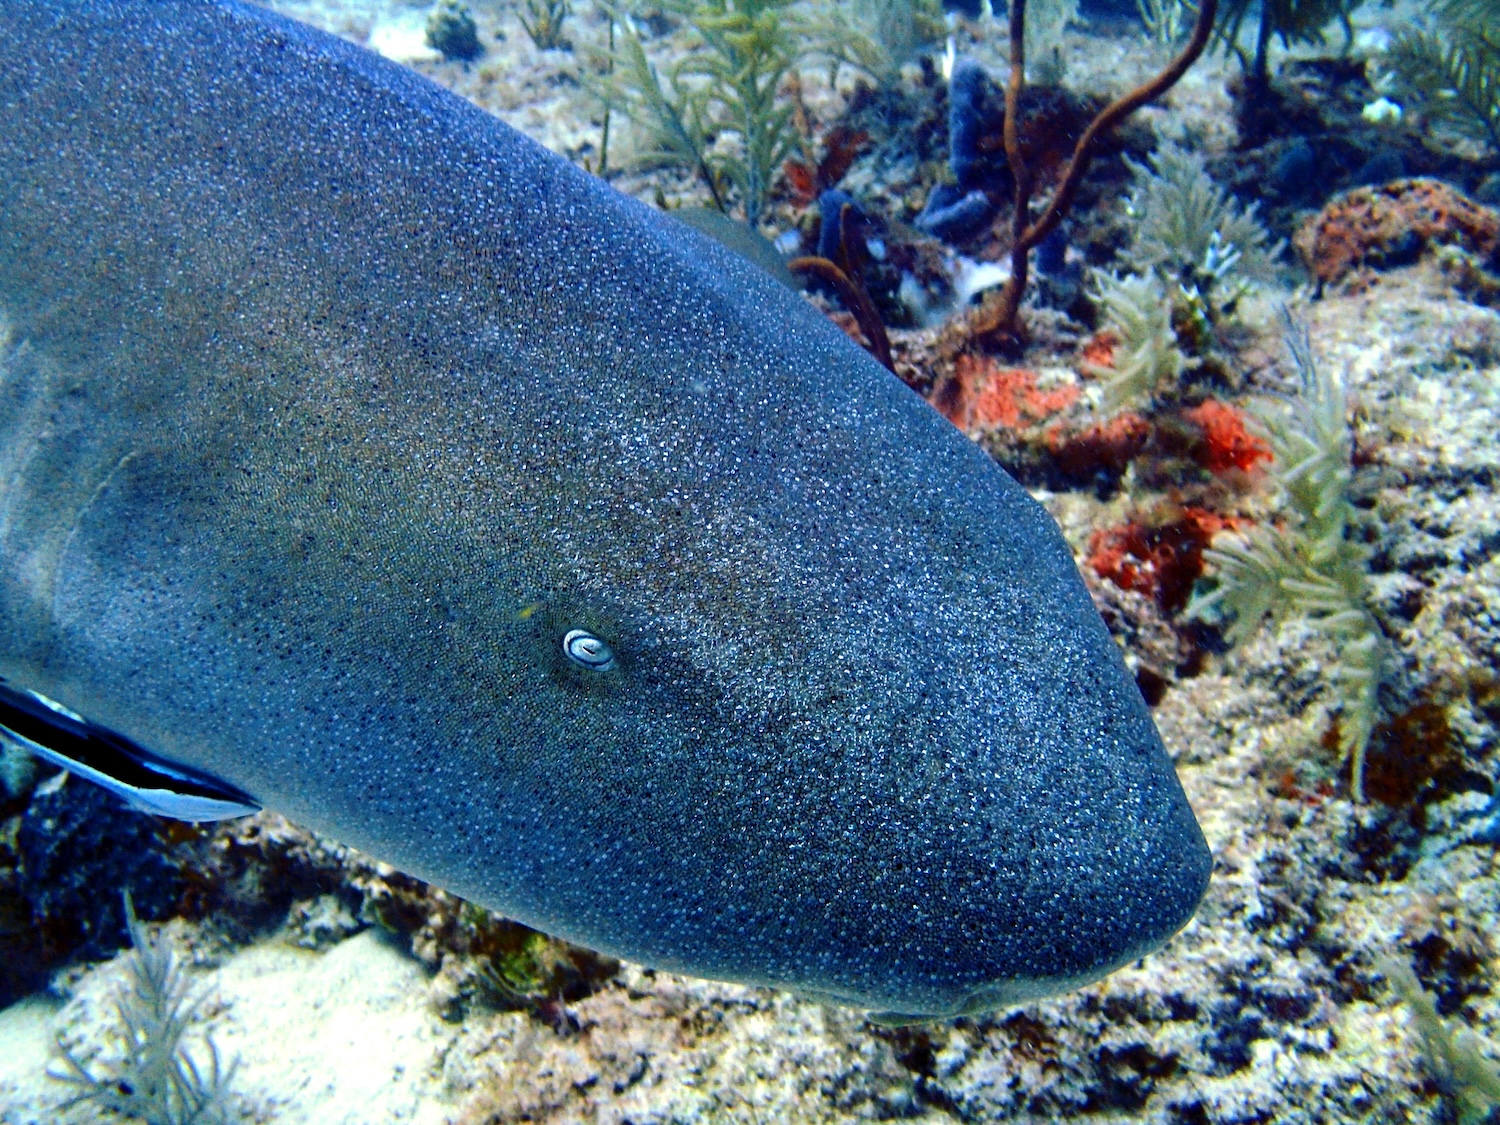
[345, 992]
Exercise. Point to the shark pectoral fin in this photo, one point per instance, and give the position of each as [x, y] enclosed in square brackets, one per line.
[143, 780]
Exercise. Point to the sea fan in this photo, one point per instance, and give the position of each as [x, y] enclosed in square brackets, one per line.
[1309, 566]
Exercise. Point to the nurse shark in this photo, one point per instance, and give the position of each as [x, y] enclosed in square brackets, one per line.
[362, 460]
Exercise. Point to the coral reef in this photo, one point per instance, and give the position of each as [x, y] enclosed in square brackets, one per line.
[1050, 118]
[842, 230]
[1326, 125]
[954, 215]
[1101, 449]
[982, 394]
[271, 873]
[871, 334]
[1161, 559]
[75, 838]
[998, 319]
[1274, 1004]
[1227, 445]
[974, 109]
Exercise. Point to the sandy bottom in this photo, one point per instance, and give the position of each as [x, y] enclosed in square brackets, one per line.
[346, 1036]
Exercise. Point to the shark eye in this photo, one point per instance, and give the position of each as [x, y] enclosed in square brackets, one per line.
[587, 650]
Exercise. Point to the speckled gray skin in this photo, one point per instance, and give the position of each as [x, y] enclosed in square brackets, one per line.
[331, 403]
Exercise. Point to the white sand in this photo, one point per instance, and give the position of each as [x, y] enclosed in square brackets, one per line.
[26, 1037]
[346, 1036]
[343, 1036]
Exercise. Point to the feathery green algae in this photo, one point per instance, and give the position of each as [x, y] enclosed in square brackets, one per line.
[1454, 1056]
[726, 83]
[1449, 64]
[1138, 311]
[157, 1078]
[543, 22]
[1309, 564]
[1189, 227]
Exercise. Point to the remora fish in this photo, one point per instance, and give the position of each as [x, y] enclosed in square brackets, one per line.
[362, 459]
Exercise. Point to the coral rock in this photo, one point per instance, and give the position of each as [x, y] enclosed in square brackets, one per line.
[1227, 445]
[451, 30]
[1104, 446]
[1099, 350]
[1393, 225]
[1161, 561]
[79, 849]
[983, 395]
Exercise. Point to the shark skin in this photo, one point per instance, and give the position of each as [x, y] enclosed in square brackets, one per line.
[331, 408]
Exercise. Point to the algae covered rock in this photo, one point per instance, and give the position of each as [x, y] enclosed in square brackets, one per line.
[1382, 227]
[451, 30]
[79, 850]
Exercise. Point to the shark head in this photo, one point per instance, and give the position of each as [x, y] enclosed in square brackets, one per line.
[371, 464]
